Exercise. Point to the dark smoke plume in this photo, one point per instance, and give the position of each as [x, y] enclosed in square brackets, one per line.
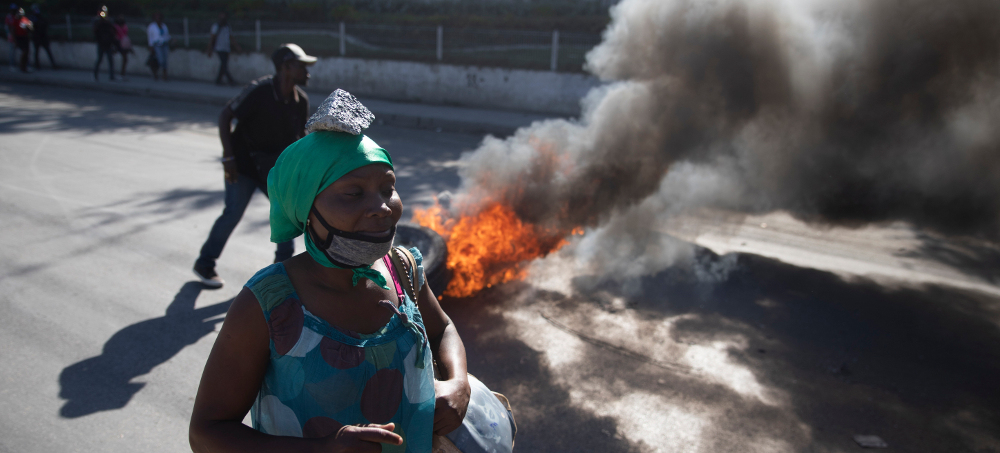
[840, 112]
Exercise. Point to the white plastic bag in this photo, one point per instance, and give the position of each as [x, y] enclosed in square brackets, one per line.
[488, 426]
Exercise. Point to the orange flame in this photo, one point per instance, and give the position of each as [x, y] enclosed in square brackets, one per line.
[489, 247]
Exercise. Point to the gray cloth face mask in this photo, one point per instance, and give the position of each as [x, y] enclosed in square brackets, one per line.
[351, 250]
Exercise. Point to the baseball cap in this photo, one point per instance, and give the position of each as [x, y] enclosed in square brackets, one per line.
[291, 52]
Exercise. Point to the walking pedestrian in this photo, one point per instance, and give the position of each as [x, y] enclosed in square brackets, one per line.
[22, 37]
[222, 42]
[104, 35]
[335, 349]
[124, 42]
[271, 114]
[9, 22]
[40, 37]
[159, 43]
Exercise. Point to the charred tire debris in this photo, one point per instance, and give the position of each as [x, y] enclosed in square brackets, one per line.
[433, 248]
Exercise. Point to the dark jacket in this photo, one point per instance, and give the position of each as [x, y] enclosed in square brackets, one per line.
[41, 32]
[104, 32]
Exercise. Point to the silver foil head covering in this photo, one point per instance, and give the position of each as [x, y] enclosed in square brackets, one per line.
[340, 112]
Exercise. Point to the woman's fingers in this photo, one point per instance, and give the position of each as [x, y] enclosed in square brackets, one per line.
[379, 433]
[380, 436]
[363, 438]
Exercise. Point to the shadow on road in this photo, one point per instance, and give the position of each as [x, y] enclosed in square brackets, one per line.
[427, 161]
[155, 209]
[34, 108]
[917, 366]
[172, 205]
[969, 255]
[103, 382]
[547, 418]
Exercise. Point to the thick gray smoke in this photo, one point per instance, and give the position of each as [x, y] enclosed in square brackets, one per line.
[840, 112]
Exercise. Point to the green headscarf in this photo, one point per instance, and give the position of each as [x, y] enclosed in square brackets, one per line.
[302, 171]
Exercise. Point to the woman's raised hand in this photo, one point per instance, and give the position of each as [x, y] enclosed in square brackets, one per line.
[363, 439]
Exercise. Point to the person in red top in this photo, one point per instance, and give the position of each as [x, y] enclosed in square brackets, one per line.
[124, 42]
[21, 29]
[8, 27]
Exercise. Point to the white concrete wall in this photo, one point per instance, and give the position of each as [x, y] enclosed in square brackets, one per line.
[484, 87]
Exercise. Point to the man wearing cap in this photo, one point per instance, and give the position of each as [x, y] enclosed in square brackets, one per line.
[271, 114]
[104, 36]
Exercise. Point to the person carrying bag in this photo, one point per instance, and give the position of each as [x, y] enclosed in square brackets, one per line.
[489, 425]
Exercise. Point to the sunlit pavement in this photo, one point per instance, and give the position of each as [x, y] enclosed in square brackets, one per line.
[783, 338]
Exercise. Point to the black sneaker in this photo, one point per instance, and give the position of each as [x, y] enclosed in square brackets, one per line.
[208, 277]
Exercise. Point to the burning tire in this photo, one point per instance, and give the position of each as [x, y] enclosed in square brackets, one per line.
[432, 246]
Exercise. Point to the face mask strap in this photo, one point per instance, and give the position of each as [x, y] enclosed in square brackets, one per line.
[315, 212]
[356, 236]
[323, 245]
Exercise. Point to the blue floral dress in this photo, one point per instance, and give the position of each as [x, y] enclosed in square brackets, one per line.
[321, 378]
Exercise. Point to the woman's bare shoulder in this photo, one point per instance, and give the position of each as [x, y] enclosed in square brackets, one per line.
[245, 318]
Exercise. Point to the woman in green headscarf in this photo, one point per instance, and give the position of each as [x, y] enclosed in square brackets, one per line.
[326, 350]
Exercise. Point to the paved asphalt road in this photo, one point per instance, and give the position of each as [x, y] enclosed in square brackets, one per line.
[804, 339]
[105, 201]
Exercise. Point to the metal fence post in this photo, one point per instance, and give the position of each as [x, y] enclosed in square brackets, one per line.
[440, 43]
[69, 29]
[343, 42]
[187, 40]
[555, 50]
[257, 28]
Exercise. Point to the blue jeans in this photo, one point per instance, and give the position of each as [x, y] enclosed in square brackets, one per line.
[110, 51]
[223, 67]
[13, 53]
[162, 51]
[237, 198]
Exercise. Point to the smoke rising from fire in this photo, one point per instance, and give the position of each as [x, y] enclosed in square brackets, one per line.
[841, 112]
